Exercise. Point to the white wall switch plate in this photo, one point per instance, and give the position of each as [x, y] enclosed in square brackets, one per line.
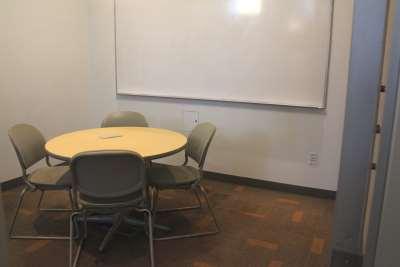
[190, 120]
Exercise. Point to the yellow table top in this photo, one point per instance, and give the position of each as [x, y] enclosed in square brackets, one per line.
[150, 143]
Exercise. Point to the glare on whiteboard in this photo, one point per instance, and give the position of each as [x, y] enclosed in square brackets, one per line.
[246, 7]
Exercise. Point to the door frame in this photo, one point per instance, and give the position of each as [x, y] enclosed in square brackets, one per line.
[366, 64]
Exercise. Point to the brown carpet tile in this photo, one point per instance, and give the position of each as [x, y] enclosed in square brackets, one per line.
[260, 228]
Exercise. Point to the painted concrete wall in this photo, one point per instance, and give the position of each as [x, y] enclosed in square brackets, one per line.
[258, 141]
[43, 70]
[44, 81]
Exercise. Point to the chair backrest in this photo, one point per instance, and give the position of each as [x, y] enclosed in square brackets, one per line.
[108, 174]
[199, 141]
[124, 119]
[28, 143]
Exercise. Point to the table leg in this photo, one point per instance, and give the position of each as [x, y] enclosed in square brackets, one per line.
[101, 219]
[136, 222]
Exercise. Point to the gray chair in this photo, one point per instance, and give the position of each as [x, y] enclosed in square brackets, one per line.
[29, 144]
[109, 183]
[124, 119]
[185, 177]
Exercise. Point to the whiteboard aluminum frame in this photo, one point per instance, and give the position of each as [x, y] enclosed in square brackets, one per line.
[130, 92]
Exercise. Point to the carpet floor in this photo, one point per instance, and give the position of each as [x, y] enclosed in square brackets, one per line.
[259, 228]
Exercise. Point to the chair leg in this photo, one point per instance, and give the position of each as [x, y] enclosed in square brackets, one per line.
[18, 206]
[154, 203]
[54, 209]
[40, 199]
[150, 236]
[85, 224]
[71, 200]
[198, 206]
[35, 237]
[74, 260]
[149, 222]
[117, 222]
[204, 193]
[197, 197]
[210, 208]
[152, 192]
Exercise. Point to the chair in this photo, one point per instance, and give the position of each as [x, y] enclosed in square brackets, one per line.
[124, 119]
[185, 177]
[108, 183]
[29, 144]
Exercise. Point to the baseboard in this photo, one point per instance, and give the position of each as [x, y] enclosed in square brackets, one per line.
[10, 184]
[345, 259]
[321, 193]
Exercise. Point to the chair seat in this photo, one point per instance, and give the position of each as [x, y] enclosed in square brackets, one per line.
[51, 178]
[168, 176]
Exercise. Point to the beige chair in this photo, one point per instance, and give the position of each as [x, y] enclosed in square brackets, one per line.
[29, 144]
[185, 177]
[109, 183]
[124, 119]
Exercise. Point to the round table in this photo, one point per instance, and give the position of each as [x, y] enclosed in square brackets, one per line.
[150, 143]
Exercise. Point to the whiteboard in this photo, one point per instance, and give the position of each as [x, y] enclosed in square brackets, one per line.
[255, 51]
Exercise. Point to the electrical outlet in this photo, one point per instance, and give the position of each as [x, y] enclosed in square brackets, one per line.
[312, 158]
[190, 120]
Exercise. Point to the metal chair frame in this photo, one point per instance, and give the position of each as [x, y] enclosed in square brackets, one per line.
[196, 188]
[83, 215]
[193, 207]
[32, 188]
[115, 208]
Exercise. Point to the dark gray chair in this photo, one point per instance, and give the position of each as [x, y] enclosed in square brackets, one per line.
[125, 119]
[185, 177]
[109, 183]
[29, 144]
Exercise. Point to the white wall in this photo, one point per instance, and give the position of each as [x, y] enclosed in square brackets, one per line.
[258, 141]
[43, 70]
[43, 81]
